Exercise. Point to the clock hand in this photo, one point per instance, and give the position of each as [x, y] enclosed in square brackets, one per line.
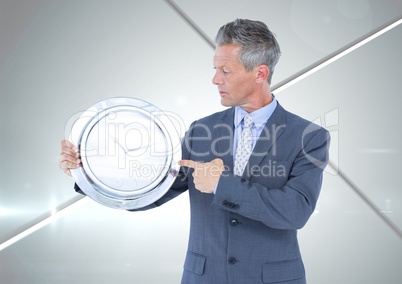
[125, 150]
[138, 148]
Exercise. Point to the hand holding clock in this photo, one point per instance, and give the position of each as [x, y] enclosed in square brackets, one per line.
[69, 158]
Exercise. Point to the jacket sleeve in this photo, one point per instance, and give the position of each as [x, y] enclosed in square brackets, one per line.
[285, 207]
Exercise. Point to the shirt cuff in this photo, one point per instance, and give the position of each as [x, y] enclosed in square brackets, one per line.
[216, 187]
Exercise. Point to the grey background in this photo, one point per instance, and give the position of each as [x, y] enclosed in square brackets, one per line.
[57, 58]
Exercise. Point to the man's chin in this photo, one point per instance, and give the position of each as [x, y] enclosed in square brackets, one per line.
[226, 103]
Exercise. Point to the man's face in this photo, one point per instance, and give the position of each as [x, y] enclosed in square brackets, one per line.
[236, 86]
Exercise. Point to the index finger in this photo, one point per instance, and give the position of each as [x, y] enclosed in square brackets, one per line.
[188, 163]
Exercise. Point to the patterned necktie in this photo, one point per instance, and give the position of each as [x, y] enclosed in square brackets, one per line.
[243, 151]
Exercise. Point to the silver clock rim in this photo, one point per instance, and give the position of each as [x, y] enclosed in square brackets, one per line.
[148, 196]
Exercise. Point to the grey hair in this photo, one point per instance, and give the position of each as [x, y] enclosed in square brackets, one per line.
[258, 43]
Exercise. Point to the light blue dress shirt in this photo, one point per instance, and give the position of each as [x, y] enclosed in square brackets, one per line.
[260, 118]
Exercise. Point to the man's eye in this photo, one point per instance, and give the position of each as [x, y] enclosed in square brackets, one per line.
[225, 72]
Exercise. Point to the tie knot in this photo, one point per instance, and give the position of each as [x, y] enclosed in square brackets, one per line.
[248, 121]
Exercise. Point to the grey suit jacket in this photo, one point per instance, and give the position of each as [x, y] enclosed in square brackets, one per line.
[246, 233]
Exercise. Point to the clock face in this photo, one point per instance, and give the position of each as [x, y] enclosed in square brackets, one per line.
[129, 151]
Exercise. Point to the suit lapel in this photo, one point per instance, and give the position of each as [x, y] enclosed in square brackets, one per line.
[265, 144]
[224, 137]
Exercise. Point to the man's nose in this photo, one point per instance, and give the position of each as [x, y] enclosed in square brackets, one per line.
[217, 80]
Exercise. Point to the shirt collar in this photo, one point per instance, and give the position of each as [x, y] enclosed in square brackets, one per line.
[260, 116]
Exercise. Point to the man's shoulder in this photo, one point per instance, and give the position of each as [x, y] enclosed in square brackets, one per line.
[299, 123]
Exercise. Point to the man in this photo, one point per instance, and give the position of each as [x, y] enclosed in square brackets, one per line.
[253, 171]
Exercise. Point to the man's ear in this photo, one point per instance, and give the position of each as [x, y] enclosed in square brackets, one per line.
[262, 73]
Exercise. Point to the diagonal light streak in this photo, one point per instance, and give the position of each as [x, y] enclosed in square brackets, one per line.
[59, 212]
[331, 58]
[191, 23]
[367, 200]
